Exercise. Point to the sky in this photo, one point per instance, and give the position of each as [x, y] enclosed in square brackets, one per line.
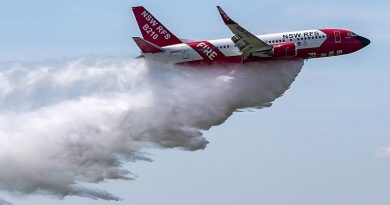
[323, 142]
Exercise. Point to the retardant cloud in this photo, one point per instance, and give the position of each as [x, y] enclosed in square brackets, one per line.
[62, 124]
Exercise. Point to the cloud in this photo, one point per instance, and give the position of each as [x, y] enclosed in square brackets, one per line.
[67, 124]
[383, 152]
[4, 202]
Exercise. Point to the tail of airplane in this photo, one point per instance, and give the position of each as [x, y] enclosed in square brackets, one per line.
[152, 30]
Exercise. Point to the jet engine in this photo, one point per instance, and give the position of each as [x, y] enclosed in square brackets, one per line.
[288, 49]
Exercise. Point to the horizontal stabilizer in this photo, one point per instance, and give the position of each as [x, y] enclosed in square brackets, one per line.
[146, 46]
[184, 40]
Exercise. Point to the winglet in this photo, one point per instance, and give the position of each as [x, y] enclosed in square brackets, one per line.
[225, 17]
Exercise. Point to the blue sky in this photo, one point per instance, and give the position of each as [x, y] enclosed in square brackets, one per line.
[318, 144]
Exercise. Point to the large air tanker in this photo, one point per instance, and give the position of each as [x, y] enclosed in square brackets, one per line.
[158, 43]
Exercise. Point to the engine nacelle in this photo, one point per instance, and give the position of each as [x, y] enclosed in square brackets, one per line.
[288, 49]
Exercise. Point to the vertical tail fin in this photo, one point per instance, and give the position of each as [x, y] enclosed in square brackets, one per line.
[152, 30]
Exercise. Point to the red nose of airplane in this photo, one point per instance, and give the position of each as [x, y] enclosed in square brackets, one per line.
[363, 41]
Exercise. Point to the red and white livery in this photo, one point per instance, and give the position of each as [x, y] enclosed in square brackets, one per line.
[160, 44]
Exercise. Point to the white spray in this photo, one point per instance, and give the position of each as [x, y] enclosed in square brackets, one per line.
[76, 122]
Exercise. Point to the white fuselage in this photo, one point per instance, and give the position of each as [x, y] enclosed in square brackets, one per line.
[185, 52]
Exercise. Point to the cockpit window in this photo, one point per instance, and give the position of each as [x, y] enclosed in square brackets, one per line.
[351, 34]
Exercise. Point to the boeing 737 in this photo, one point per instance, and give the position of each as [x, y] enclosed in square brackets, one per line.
[158, 43]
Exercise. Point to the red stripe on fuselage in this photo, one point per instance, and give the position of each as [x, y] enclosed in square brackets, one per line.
[208, 51]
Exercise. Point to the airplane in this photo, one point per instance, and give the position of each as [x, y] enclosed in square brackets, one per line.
[159, 44]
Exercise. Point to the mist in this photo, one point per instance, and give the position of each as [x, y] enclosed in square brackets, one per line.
[77, 122]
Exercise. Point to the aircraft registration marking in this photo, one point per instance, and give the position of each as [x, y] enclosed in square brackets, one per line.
[153, 28]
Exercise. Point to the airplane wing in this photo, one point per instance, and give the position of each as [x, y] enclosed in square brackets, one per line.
[246, 42]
